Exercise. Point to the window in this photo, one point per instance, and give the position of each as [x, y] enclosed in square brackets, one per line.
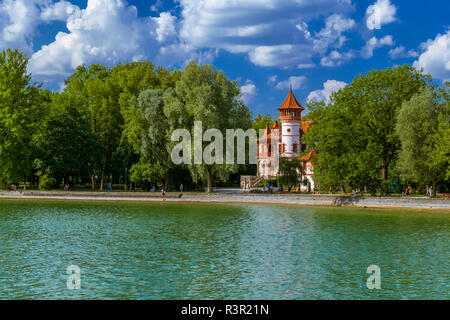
[289, 130]
[295, 148]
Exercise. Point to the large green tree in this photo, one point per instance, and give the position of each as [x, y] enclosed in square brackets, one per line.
[205, 94]
[20, 111]
[422, 127]
[355, 135]
[67, 148]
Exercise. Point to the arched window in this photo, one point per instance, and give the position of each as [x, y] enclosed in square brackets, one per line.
[295, 148]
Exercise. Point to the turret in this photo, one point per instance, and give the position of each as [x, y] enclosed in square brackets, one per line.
[291, 117]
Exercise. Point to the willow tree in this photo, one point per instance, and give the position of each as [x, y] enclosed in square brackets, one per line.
[205, 94]
[423, 129]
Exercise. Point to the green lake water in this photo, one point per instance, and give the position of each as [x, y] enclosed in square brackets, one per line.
[209, 251]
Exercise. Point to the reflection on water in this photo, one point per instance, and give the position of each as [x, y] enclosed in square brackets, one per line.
[193, 251]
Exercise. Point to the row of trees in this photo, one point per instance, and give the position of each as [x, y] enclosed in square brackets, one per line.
[109, 119]
[384, 125]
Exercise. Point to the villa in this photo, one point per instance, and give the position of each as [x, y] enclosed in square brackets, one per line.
[288, 134]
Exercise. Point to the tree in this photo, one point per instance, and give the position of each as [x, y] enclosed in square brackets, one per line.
[20, 109]
[146, 174]
[205, 94]
[98, 93]
[66, 146]
[288, 172]
[260, 122]
[155, 134]
[423, 129]
[355, 135]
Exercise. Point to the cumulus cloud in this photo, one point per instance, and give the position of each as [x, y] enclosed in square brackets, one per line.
[248, 91]
[107, 31]
[18, 22]
[165, 30]
[336, 59]
[329, 87]
[436, 57]
[381, 12]
[374, 43]
[294, 82]
[400, 52]
[271, 32]
[59, 11]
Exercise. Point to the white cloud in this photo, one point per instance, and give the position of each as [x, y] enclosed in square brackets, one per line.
[436, 57]
[295, 82]
[381, 12]
[166, 27]
[329, 87]
[374, 43]
[272, 80]
[156, 6]
[331, 35]
[107, 31]
[18, 22]
[271, 32]
[335, 58]
[287, 55]
[248, 91]
[400, 52]
[59, 11]
[305, 65]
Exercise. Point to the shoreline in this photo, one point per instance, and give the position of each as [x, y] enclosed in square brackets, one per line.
[417, 203]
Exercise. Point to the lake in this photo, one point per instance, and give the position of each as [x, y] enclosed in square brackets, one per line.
[211, 251]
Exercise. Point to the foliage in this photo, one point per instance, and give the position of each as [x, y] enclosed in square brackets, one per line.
[146, 174]
[46, 182]
[260, 122]
[19, 108]
[288, 175]
[354, 135]
[423, 129]
[205, 94]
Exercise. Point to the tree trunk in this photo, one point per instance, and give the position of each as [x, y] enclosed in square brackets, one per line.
[384, 175]
[101, 181]
[93, 181]
[343, 189]
[208, 180]
[434, 190]
[166, 182]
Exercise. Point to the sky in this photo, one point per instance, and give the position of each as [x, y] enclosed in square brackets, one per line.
[315, 46]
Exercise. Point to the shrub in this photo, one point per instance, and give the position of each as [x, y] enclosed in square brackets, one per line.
[46, 182]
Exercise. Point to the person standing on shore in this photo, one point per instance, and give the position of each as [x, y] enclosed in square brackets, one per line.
[109, 186]
[181, 188]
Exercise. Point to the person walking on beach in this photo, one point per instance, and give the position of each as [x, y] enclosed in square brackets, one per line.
[163, 194]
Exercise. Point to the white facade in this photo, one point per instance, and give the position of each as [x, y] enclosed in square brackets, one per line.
[290, 139]
[289, 145]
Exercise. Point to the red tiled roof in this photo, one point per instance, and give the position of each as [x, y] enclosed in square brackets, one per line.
[305, 125]
[308, 156]
[291, 103]
[276, 126]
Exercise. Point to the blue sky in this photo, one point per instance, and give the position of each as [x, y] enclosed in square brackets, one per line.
[318, 46]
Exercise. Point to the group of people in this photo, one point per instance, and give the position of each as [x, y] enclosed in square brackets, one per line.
[269, 188]
[408, 191]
